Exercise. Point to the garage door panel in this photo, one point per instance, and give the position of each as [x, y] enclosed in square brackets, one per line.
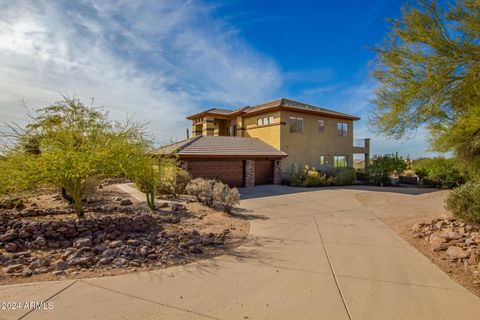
[263, 172]
[228, 171]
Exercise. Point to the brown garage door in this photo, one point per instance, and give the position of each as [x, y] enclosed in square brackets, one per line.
[263, 172]
[230, 172]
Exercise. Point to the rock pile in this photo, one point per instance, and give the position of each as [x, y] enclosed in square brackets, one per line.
[109, 241]
[454, 239]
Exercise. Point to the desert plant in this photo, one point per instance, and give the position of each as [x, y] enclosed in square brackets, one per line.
[464, 201]
[382, 168]
[344, 176]
[225, 197]
[196, 188]
[440, 172]
[173, 179]
[68, 143]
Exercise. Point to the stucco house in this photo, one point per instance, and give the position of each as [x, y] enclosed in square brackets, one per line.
[265, 143]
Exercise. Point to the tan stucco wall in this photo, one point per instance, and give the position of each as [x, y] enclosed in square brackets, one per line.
[307, 148]
[269, 133]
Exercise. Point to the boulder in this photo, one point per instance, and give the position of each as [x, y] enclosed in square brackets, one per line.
[82, 243]
[61, 265]
[108, 253]
[13, 268]
[454, 253]
[10, 235]
[82, 262]
[125, 202]
[115, 244]
[11, 247]
[134, 242]
[119, 262]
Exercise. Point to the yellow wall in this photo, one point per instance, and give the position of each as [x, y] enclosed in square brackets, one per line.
[269, 133]
[307, 148]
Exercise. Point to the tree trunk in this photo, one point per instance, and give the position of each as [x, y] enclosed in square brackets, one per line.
[66, 196]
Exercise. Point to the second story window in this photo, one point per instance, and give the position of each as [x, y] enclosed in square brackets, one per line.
[321, 125]
[296, 124]
[342, 129]
[264, 121]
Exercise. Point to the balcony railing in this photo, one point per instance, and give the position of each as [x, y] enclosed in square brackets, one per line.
[359, 143]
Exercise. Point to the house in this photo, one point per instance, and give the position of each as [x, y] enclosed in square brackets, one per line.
[268, 142]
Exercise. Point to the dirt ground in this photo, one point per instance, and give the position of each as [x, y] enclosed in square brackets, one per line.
[199, 217]
[400, 208]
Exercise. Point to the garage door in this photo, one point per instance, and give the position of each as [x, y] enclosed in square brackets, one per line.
[230, 172]
[263, 172]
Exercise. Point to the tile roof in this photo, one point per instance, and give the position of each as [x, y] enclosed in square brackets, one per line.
[282, 103]
[221, 146]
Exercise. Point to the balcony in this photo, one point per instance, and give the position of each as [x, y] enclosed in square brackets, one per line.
[361, 146]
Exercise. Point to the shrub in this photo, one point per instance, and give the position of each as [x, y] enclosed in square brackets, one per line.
[195, 188]
[382, 168]
[464, 201]
[225, 196]
[202, 189]
[174, 181]
[344, 176]
[440, 172]
[311, 177]
[362, 175]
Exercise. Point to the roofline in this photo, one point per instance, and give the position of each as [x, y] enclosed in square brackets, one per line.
[277, 105]
[171, 144]
[230, 156]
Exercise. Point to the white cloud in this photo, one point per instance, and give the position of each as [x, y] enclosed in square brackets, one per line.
[157, 60]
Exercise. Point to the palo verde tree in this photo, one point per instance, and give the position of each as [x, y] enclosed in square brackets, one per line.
[429, 74]
[68, 144]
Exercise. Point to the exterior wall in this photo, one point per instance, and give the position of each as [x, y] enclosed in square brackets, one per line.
[277, 172]
[269, 133]
[249, 173]
[307, 148]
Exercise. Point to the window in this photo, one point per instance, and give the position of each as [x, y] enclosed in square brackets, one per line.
[323, 160]
[340, 161]
[342, 129]
[264, 121]
[296, 125]
[321, 125]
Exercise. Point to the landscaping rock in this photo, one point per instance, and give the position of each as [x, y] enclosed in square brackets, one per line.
[13, 268]
[61, 265]
[115, 244]
[125, 202]
[83, 243]
[11, 247]
[454, 253]
[10, 235]
[119, 262]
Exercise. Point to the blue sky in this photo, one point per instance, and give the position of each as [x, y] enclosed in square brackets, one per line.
[162, 60]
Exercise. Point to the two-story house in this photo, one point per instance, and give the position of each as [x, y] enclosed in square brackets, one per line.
[267, 143]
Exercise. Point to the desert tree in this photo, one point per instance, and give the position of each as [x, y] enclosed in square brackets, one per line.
[428, 70]
[69, 144]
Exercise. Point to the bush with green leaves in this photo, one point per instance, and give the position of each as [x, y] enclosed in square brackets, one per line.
[382, 168]
[440, 172]
[344, 176]
[311, 177]
[173, 180]
[68, 143]
[225, 197]
[464, 202]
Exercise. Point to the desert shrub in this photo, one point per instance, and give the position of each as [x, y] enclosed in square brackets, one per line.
[408, 173]
[225, 197]
[195, 188]
[202, 189]
[311, 177]
[440, 172]
[344, 176]
[173, 181]
[464, 201]
[362, 175]
[382, 168]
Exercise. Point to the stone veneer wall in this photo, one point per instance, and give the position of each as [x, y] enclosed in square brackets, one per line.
[249, 173]
[277, 172]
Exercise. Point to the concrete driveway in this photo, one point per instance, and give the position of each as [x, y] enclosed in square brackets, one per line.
[311, 254]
